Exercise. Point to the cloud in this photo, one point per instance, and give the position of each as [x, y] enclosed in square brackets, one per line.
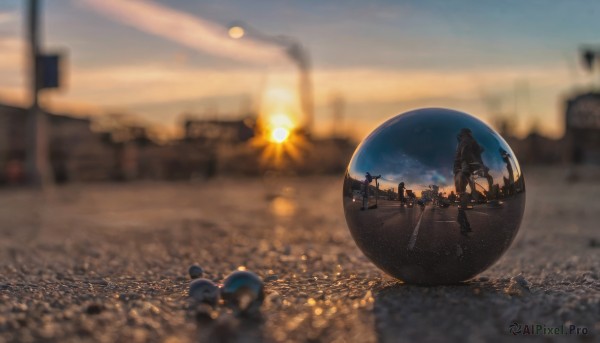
[194, 32]
[12, 70]
[163, 90]
[155, 83]
[7, 17]
[12, 53]
[385, 85]
[159, 83]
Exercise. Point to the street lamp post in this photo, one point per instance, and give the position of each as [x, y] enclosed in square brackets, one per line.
[298, 54]
[37, 164]
[44, 74]
[590, 56]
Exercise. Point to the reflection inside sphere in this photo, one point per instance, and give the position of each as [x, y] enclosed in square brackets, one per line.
[433, 196]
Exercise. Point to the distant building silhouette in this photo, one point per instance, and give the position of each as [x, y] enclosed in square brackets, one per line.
[537, 149]
[127, 152]
[76, 152]
[220, 131]
[582, 129]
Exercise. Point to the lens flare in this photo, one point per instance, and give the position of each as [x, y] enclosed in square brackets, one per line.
[280, 139]
[280, 120]
[280, 142]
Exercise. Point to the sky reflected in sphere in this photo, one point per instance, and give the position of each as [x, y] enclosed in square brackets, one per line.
[434, 196]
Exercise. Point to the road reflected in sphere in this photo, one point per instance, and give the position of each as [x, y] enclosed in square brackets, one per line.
[433, 196]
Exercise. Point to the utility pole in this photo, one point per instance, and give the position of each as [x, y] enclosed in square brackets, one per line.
[590, 57]
[337, 116]
[37, 164]
[299, 55]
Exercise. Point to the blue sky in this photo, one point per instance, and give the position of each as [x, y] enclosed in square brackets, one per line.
[383, 57]
[422, 145]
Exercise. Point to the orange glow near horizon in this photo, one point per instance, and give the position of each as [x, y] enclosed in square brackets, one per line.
[277, 120]
[280, 120]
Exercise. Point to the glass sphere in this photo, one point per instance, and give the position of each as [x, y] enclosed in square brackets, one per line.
[433, 196]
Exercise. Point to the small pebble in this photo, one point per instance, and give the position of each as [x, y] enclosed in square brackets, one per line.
[195, 271]
[270, 278]
[243, 292]
[517, 286]
[521, 281]
[204, 291]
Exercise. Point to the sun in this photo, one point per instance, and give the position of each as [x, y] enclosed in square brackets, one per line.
[280, 134]
[280, 142]
[279, 128]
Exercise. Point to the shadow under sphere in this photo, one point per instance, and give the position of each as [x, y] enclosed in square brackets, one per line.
[433, 196]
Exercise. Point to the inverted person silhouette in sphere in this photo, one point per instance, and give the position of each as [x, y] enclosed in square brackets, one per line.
[510, 182]
[401, 196]
[467, 163]
[365, 193]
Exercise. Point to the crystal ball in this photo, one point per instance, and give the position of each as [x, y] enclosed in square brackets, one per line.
[433, 196]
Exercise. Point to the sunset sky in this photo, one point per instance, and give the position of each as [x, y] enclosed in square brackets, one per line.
[155, 60]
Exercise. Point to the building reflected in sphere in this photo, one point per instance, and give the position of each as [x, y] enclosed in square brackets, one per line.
[433, 196]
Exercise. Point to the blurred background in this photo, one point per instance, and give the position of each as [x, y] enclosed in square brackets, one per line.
[102, 90]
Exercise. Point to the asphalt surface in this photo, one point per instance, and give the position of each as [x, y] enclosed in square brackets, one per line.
[424, 245]
[108, 262]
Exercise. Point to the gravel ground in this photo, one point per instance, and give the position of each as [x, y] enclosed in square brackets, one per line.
[108, 262]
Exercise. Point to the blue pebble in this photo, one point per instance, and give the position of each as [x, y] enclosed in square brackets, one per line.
[243, 292]
[195, 271]
[204, 291]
